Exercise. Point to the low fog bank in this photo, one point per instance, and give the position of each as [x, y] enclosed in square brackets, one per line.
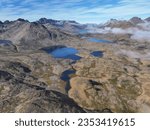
[140, 33]
[133, 54]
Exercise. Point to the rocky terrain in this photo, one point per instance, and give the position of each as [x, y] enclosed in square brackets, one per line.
[33, 80]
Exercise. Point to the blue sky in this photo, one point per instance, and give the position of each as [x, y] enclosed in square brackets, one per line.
[83, 11]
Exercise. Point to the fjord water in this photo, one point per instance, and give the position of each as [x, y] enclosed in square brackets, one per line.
[99, 40]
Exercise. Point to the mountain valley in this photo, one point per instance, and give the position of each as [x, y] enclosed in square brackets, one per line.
[64, 66]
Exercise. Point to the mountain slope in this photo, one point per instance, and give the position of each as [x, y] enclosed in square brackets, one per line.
[30, 35]
[64, 25]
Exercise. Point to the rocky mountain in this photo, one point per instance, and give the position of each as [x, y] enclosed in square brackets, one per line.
[136, 20]
[147, 19]
[133, 22]
[113, 23]
[1, 22]
[67, 26]
[30, 35]
[55, 22]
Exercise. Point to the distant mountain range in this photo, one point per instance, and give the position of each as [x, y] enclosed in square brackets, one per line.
[46, 32]
[75, 27]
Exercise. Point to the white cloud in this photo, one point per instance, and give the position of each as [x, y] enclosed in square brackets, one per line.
[80, 10]
[140, 33]
[141, 36]
[133, 54]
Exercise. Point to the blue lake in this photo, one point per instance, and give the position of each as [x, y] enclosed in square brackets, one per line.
[65, 76]
[63, 52]
[97, 53]
[99, 40]
[66, 53]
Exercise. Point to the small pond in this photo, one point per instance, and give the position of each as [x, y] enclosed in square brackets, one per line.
[65, 76]
[97, 53]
